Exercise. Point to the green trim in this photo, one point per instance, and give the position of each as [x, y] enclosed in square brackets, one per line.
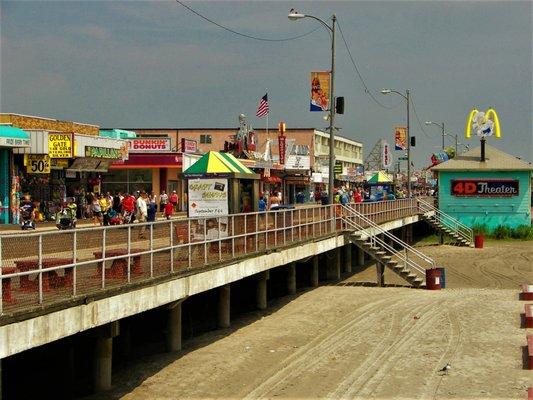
[8, 131]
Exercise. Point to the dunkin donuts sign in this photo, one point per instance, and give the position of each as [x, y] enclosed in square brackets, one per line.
[150, 145]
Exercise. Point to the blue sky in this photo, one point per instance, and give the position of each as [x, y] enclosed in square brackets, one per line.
[155, 64]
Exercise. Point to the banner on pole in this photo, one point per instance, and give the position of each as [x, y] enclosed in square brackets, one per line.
[386, 156]
[400, 138]
[320, 90]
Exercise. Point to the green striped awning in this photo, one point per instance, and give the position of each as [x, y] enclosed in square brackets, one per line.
[214, 162]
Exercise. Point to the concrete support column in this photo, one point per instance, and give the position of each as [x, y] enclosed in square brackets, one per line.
[403, 234]
[334, 268]
[314, 272]
[224, 306]
[261, 294]
[103, 355]
[291, 278]
[173, 334]
[348, 257]
[380, 269]
[360, 257]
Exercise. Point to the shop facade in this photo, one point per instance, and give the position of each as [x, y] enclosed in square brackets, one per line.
[495, 192]
[11, 138]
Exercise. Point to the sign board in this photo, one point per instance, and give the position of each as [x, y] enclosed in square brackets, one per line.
[386, 155]
[281, 147]
[400, 138]
[402, 158]
[298, 162]
[103, 152]
[338, 168]
[60, 145]
[37, 163]
[484, 187]
[208, 197]
[150, 145]
[14, 142]
[189, 146]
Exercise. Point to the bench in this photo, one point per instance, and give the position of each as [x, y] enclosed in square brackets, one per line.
[119, 266]
[7, 294]
[50, 278]
[528, 315]
[529, 351]
[527, 292]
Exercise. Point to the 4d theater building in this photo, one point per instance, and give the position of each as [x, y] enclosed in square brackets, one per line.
[492, 190]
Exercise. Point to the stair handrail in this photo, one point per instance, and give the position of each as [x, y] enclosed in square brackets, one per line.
[404, 245]
[463, 230]
[374, 239]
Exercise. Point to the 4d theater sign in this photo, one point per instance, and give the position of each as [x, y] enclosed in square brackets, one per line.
[484, 187]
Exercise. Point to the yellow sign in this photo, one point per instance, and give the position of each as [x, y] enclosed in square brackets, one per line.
[483, 123]
[37, 163]
[60, 145]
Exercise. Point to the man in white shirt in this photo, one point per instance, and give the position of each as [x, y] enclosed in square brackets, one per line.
[142, 212]
[163, 200]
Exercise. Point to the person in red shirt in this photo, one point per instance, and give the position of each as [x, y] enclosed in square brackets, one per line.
[174, 199]
[128, 207]
[169, 209]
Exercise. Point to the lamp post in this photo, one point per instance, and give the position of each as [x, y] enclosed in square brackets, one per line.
[406, 97]
[294, 16]
[441, 126]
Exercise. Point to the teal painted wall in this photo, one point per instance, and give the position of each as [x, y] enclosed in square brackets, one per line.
[492, 211]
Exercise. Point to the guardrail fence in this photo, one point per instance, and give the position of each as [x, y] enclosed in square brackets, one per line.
[40, 269]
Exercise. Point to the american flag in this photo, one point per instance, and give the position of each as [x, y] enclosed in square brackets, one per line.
[262, 110]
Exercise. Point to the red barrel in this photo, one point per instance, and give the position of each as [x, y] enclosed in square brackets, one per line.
[478, 240]
[433, 279]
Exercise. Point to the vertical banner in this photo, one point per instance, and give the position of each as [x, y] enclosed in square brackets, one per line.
[400, 138]
[386, 156]
[281, 147]
[320, 87]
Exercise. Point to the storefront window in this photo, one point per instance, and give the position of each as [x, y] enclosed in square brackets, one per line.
[127, 180]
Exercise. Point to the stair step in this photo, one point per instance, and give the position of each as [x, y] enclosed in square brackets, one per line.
[385, 258]
[412, 276]
[374, 248]
[405, 271]
[380, 253]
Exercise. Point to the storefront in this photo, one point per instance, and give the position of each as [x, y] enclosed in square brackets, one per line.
[60, 165]
[10, 138]
[297, 177]
[495, 192]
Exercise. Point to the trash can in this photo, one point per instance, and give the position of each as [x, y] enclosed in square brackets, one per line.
[433, 279]
[478, 240]
[442, 277]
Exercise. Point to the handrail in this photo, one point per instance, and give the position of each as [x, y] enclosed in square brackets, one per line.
[391, 249]
[463, 230]
[168, 246]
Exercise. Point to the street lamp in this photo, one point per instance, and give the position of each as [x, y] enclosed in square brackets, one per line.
[406, 97]
[441, 126]
[294, 16]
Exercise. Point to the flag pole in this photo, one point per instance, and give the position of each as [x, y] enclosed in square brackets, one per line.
[267, 118]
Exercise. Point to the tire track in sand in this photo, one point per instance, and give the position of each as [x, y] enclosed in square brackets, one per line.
[314, 352]
[379, 362]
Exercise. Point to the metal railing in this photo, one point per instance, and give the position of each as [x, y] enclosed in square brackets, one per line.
[465, 232]
[38, 269]
[408, 255]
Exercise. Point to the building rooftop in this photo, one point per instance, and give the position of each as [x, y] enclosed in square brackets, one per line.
[496, 160]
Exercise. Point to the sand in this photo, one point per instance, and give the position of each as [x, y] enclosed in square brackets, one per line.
[345, 341]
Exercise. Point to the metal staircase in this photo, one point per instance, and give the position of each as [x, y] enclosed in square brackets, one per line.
[406, 261]
[461, 234]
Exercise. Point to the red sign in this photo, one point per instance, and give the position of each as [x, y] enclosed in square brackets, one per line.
[189, 145]
[281, 146]
[150, 145]
[484, 187]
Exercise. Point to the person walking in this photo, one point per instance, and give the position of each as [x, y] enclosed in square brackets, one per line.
[105, 205]
[96, 210]
[142, 212]
[174, 199]
[169, 209]
[163, 201]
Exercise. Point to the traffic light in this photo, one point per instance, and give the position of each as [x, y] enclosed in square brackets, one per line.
[413, 141]
[339, 105]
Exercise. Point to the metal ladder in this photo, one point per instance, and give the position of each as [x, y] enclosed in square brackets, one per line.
[446, 223]
[404, 260]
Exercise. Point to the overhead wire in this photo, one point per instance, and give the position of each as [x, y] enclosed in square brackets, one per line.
[367, 91]
[418, 119]
[244, 34]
